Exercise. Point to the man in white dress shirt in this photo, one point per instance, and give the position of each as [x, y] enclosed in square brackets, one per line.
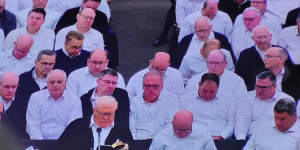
[82, 80]
[257, 107]
[289, 39]
[51, 17]
[183, 134]
[152, 110]
[196, 63]
[230, 83]
[92, 38]
[172, 78]
[51, 110]
[43, 37]
[283, 133]
[19, 59]
[220, 21]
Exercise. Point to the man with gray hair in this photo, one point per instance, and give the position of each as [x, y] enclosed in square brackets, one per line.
[51, 110]
[283, 133]
[98, 130]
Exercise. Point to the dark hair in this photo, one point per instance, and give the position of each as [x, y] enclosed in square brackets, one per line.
[38, 10]
[285, 105]
[211, 77]
[108, 71]
[265, 75]
[45, 52]
[74, 34]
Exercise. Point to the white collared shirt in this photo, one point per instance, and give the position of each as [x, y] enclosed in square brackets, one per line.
[230, 84]
[194, 64]
[67, 54]
[103, 134]
[221, 23]
[279, 79]
[147, 119]
[47, 118]
[8, 104]
[92, 39]
[260, 52]
[253, 112]
[10, 63]
[172, 82]
[268, 137]
[1, 40]
[199, 139]
[186, 7]
[217, 114]
[81, 81]
[42, 83]
[196, 45]
[289, 39]
[43, 39]
[50, 19]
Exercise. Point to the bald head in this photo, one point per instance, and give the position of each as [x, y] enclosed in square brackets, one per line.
[182, 123]
[97, 62]
[22, 46]
[85, 19]
[262, 37]
[56, 83]
[202, 28]
[216, 62]
[210, 8]
[104, 111]
[160, 62]
[8, 85]
[6, 76]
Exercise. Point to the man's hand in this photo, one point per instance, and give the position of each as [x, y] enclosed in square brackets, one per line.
[217, 137]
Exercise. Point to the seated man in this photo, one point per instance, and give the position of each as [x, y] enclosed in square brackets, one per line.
[172, 79]
[50, 19]
[43, 37]
[71, 56]
[283, 133]
[193, 42]
[196, 63]
[99, 129]
[51, 110]
[8, 86]
[257, 107]
[220, 21]
[84, 79]
[92, 38]
[217, 112]
[8, 20]
[106, 85]
[183, 134]
[148, 113]
[19, 59]
[230, 83]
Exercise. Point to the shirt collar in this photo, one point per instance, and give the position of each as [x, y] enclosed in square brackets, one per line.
[61, 97]
[66, 53]
[158, 99]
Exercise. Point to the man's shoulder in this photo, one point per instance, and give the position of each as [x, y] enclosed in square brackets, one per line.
[26, 75]
[9, 14]
[248, 51]
[79, 72]
[72, 11]
[140, 73]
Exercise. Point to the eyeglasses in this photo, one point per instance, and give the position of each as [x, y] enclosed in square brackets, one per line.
[263, 87]
[149, 86]
[87, 17]
[270, 56]
[110, 82]
[97, 62]
[104, 114]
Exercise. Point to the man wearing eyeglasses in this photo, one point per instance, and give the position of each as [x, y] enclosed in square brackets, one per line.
[84, 79]
[257, 107]
[92, 38]
[72, 56]
[152, 110]
[19, 59]
[172, 78]
[100, 128]
[107, 81]
[183, 134]
[51, 110]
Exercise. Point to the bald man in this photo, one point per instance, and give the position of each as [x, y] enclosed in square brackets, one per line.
[191, 43]
[19, 59]
[8, 86]
[100, 128]
[51, 110]
[84, 79]
[250, 62]
[92, 38]
[183, 134]
[172, 78]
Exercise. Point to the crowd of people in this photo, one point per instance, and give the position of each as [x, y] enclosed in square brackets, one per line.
[230, 81]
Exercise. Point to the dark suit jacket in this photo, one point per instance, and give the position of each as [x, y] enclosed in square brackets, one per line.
[122, 113]
[291, 17]
[185, 42]
[16, 114]
[68, 64]
[232, 8]
[290, 83]
[78, 136]
[249, 65]
[100, 24]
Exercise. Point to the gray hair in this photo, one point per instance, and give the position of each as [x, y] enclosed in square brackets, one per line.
[283, 54]
[45, 52]
[108, 71]
[59, 71]
[104, 100]
[265, 75]
[152, 73]
[257, 12]
[285, 105]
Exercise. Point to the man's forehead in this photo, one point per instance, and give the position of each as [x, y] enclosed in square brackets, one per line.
[212, 56]
[152, 78]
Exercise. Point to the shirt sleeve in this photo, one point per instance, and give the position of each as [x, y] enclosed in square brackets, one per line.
[33, 119]
[76, 111]
[227, 132]
[184, 70]
[243, 120]
[72, 84]
[132, 118]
